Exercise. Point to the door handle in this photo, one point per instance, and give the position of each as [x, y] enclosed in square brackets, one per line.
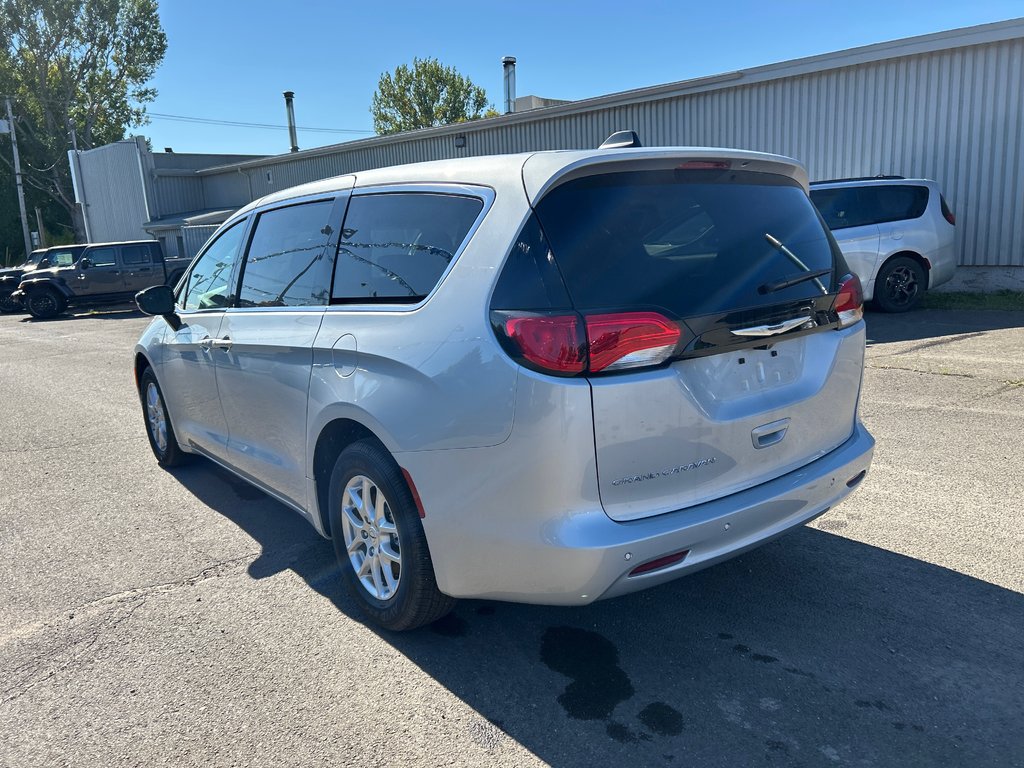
[769, 434]
[224, 343]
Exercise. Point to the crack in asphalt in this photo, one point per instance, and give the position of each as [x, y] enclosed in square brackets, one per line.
[929, 344]
[47, 664]
[921, 370]
[65, 446]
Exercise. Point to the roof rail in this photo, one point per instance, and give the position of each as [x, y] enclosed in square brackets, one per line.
[879, 177]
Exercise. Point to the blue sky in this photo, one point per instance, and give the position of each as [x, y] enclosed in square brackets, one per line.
[230, 60]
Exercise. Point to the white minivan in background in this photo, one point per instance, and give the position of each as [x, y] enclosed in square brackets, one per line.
[897, 235]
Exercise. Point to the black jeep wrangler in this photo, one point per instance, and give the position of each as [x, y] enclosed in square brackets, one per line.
[11, 277]
[104, 273]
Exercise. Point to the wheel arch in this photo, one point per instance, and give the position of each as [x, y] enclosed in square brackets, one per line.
[46, 285]
[141, 364]
[334, 437]
[912, 255]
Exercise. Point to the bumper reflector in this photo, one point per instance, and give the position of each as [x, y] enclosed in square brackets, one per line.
[659, 563]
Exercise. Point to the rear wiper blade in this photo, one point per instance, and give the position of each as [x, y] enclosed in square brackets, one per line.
[786, 282]
[777, 244]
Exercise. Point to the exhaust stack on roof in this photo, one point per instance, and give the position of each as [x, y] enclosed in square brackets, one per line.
[509, 65]
[289, 105]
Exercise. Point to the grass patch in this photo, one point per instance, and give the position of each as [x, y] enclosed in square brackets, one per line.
[1001, 300]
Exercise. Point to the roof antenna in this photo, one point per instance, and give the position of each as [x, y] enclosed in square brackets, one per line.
[621, 140]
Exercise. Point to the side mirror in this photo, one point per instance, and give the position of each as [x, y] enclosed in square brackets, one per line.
[84, 262]
[158, 300]
[44, 263]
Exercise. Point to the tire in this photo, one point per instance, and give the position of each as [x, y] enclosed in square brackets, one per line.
[395, 587]
[8, 305]
[158, 424]
[44, 303]
[900, 284]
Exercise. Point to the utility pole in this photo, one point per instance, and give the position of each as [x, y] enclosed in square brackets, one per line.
[17, 180]
[39, 226]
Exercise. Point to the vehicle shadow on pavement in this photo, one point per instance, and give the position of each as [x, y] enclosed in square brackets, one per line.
[812, 650]
[924, 324]
[105, 313]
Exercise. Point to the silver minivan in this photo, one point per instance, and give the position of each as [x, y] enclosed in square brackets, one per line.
[553, 378]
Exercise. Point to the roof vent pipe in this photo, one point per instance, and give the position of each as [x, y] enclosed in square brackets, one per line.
[509, 65]
[289, 97]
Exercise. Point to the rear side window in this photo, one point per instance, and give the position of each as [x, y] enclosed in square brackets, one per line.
[288, 264]
[895, 202]
[396, 246]
[102, 257]
[135, 254]
[686, 243]
[842, 208]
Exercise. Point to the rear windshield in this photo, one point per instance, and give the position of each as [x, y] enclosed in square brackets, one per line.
[686, 242]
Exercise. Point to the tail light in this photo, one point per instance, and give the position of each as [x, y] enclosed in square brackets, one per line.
[850, 301]
[703, 165]
[947, 213]
[552, 343]
[570, 344]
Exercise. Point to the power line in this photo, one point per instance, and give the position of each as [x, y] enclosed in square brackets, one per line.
[240, 124]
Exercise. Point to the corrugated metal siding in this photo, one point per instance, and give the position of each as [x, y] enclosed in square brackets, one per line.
[114, 193]
[956, 116]
[195, 237]
[227, 190]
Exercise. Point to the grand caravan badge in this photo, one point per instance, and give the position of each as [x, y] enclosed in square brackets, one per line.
[666, 472]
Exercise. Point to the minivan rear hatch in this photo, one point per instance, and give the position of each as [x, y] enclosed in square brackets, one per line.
[761, 379]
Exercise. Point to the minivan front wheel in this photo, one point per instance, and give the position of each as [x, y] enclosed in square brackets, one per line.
[900, 284]
[379, 540]
[158, 425]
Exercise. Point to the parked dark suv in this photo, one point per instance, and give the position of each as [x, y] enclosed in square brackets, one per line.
[104, 273]
[41, 259]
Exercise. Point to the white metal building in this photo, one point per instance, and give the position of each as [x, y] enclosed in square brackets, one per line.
[947, 106]
[129, 193]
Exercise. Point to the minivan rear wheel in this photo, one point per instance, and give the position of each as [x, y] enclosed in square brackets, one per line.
[379, 540]
[900, 284]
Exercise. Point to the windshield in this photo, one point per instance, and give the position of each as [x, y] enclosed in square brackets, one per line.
[686, 242]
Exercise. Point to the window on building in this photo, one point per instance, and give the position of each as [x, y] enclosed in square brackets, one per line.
[288, 264]
[396, 246]
[207, 286]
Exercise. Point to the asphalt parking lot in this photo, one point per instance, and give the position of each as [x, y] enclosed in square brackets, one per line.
[166, 619]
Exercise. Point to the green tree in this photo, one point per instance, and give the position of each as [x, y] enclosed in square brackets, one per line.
[75, 67]
[425, 95]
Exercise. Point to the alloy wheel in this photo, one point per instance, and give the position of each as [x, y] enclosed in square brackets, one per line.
[371, 537]
[901, 286]
[156, 417]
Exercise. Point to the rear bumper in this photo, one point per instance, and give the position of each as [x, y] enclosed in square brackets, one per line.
[581, 556]
[943, 263]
